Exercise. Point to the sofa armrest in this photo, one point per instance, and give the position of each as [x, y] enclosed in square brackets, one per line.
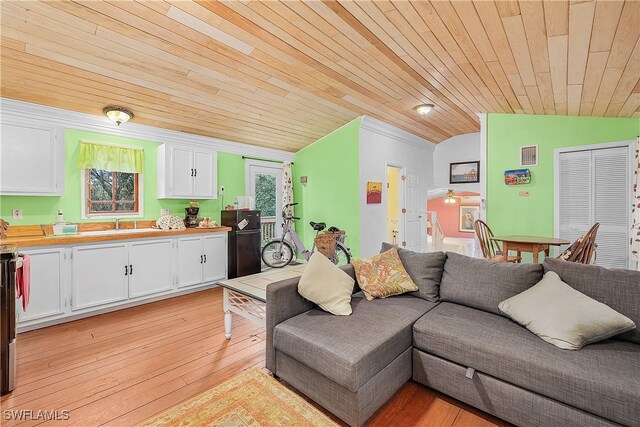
[283, 302]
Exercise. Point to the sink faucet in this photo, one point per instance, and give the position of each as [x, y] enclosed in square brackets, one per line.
[117, 223]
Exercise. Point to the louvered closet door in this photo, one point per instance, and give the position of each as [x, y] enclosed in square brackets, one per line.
[594, 187]
[576, 196]
[611, 206]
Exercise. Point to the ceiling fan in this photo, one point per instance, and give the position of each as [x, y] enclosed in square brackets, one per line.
[450, 197]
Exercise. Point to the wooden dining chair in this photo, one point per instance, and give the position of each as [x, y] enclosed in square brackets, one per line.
[491, 248]
[583, 249]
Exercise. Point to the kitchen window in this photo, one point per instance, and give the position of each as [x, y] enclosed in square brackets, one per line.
[112, 193]
[111, 179]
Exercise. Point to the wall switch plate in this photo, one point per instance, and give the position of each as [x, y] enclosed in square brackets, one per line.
[523, 194]
[221, 192]
[164, 211]
[16, 214]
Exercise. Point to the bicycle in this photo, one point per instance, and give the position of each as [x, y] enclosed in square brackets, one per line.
[279, 252]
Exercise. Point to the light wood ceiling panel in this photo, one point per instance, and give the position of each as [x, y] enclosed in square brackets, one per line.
[283, 74]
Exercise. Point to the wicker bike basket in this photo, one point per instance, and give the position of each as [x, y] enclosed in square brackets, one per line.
[326, 242]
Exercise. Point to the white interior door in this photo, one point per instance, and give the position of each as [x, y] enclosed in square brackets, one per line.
[264, 184]
[415, 236]
[611, 181]
[594, 186]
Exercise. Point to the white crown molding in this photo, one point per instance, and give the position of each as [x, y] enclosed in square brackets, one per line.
[19, 110]
[378, 126]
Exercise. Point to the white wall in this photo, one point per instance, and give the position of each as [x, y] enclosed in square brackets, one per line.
[382, 144]
[460, 148]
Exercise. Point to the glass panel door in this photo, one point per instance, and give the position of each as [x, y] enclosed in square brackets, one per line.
[265, 186]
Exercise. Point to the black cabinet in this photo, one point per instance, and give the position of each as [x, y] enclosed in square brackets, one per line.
[244, 242]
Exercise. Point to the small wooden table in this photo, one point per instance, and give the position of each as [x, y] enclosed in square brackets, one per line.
[246, 296]
[533, 244]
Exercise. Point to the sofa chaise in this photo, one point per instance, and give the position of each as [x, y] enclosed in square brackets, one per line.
[460, 345]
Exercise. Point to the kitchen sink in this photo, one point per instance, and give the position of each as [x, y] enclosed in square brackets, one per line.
[121, 231]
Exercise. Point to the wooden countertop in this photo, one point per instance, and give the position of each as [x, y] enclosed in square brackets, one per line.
[50, 240]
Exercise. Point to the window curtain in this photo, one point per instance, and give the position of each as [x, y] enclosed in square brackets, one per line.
[110, 157]
[635, 208]
[287, 188]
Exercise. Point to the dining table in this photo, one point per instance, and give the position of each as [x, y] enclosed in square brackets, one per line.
[533, 244]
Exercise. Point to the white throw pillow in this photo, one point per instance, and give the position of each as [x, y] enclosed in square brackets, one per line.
[563, 316]
[325, 284]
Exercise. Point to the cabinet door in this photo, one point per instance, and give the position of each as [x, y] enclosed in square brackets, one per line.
[182, 172]
[205, 176]
[151, 267]
[215, 257]
[47, 285]
[99, 276]
[190, 261]
[29, 160]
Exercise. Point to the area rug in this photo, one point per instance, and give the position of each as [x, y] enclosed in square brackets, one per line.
[251, 398]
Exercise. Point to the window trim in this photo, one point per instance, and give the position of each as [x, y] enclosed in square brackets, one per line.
[110, 215]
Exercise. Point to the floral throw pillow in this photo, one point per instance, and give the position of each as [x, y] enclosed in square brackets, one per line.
[383, 275]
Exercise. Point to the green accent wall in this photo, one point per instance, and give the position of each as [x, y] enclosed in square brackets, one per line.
[331, 194]
[507, 212]
[43, 210]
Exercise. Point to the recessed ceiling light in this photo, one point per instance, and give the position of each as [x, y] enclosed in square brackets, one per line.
[118, 114]
[424, 109]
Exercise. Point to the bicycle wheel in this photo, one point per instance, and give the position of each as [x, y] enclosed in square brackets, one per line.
[342, 255]
[277, 253]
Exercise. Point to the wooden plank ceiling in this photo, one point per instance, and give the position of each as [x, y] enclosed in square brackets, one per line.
[283, 74]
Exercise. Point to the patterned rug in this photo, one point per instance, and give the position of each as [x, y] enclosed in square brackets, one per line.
[252, 398]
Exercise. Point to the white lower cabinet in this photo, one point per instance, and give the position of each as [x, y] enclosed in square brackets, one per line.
[215, 258]
[47, 298]
[150, 267]
[100, 275]
[201, 259]
[72, 281]
[190, 261]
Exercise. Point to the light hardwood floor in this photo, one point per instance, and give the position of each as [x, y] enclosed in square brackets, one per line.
[120, 368]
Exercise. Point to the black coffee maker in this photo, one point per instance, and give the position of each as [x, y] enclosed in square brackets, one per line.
[191, 217]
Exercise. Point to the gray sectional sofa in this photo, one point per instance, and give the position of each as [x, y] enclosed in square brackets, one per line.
[460, 345]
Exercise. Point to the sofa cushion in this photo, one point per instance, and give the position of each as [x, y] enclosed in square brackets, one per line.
[483, 284]
[602, 378]
[562, 316]
[617, 288]
[383, 275]
[350, 350]
[425, 269]
[327, 285]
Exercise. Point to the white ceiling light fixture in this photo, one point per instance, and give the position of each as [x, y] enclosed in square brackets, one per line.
[118, 114]
[424, 109]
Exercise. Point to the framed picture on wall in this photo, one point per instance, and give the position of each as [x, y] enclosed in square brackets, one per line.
[467, 217]
[464, 172]
[374, 192]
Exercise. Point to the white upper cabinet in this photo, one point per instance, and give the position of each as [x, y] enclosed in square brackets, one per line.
[31, 160]
[186, 173]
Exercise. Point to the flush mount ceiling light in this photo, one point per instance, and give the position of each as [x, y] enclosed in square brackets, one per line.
[424, 109]
[118, 114]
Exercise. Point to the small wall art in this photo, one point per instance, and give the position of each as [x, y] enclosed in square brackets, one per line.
[468, 216]
[517, 176]
[464, 172]
[374, 192]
